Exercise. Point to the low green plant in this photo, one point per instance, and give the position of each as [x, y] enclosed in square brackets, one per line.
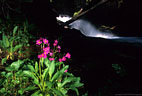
[13, 82]
[50, 76]
[8, 45]
[14, 43]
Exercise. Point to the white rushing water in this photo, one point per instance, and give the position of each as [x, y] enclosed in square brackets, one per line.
[89, 30]
[86, 28]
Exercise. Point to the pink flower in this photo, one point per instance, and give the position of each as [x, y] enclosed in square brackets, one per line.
[39, 56]
[64, 59]
[66, 71]
[55, 42]
[59, 47]
[45, 41]
[46, 52]
[68, 55]
[46, 49]
[51, 59]
[60, 60]
[38, 42]
[51, 54]
[42, 55]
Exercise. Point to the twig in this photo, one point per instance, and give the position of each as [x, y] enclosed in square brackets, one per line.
[81, 14]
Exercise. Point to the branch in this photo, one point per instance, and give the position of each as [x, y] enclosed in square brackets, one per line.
[81, 14]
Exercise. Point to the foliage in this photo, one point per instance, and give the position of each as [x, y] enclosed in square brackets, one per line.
[7, 43]
[119, 69]
[13, 82]
[50, 76]
[13, 42]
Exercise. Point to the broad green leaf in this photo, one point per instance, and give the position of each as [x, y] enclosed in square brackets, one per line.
[8, 75]
[59, 73]
[40, 94]
[36, 67]
[2, 80]
[36, 81]
[49, 84]
[36, 93]
[3, 73]
[17, 47]
[29, 74]
[15, 65]
[57, 92]
[51, 68]
[75, 89]
[30, 88]
[3, 60]
[31, 68]
[14, 30]
[21, 91]
[67, 80]
[5, 41]
[44, 73]
[9, 69]
[2, 90]
[46, 62]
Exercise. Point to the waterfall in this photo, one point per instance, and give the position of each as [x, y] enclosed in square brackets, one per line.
[89, 30]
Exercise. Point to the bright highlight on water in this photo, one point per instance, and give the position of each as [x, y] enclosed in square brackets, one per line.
[86, 28]
[89, 30]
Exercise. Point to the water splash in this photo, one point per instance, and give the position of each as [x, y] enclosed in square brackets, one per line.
[87, 29]
[63, 18]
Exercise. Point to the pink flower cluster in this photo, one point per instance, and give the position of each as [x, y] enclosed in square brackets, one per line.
[64, 57]
[48, 52]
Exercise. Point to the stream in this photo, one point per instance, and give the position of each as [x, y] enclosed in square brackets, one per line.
[94, 52]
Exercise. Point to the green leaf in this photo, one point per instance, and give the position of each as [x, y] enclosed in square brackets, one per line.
[2, 80]
[31, 68]
[67, 80]
[17, 47]
[57, 92]
[2, 90]
[36, 67]
[76, 90]
[9, 69]
[29, 74]
[36, 93]
[49, 84]
[3, 60]
[36, 81]
[51, 68]
[21, 91]
[15, 65]
[5, 41]
[44, 73]
[8, 75]
[30, 88]
[14, 30]
[46, 62]
[59, 73]
[3, 73]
